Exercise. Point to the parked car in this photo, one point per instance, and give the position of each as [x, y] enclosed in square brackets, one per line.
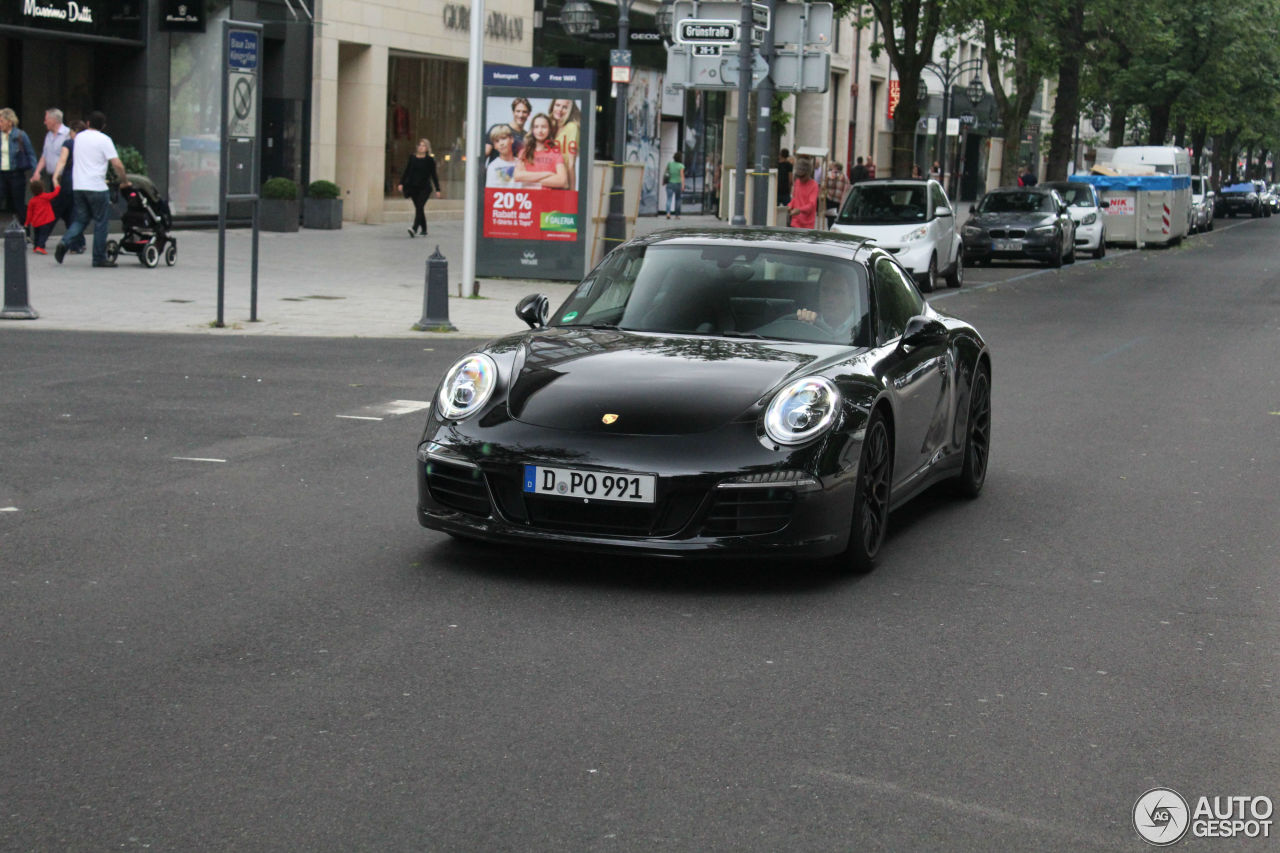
[1203, 201]
[1242, 198]
[1273, 197]
[783, 391]
[913, 220]
[1085, 206]
[1020, 222]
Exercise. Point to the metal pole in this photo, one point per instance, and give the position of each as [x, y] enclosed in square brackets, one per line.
[744, 129]
[764, 132]
[224, 158]
[946, 118]
[471, 174]
[615, 223]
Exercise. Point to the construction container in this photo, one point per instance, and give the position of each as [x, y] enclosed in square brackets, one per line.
[1143, 209]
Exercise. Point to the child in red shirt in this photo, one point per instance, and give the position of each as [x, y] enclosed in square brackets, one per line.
[40, 214]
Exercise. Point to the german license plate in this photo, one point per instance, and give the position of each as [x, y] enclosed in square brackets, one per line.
[591, 485]
[1006, 245]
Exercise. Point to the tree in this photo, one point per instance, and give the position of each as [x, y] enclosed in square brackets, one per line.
[910, 28]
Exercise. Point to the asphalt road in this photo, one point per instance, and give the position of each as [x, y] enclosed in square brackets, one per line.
[223, 628]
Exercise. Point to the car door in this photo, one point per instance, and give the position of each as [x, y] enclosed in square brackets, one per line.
[917, 377]
[944, 227]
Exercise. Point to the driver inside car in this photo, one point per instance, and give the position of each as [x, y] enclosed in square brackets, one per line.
[837, 313]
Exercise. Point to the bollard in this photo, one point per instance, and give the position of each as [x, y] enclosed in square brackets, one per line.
[15, 275]
[435, 298]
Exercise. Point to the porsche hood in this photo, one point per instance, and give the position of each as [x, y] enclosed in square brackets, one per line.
[620, 382]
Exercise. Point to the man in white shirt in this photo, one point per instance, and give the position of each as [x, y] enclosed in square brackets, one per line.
[94, 152]
[56, 134]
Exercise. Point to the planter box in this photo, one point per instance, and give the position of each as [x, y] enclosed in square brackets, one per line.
[322, 213]
[277, 215]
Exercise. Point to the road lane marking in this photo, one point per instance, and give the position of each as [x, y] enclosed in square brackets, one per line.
[392, 409]
[8, 509]
[196, 459]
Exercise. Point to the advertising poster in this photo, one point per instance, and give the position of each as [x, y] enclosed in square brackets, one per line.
[537, 161]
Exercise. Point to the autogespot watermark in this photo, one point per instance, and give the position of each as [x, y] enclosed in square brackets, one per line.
[1163, 817]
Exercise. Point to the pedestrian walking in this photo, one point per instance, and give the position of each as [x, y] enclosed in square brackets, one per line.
[673, 179]
[785, 169]
[834, 186]
[859, 172]
[64, 206]
[804, 195]
[417, 182]
[17, 159]
[40, 216]
[95, 152]
[56, 133]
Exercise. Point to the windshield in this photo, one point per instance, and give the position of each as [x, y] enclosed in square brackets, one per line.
[1016, 202]
[885, 204]
[1077, 195]
[724, 290]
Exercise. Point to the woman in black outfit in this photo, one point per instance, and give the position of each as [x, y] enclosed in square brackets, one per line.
[416, 183]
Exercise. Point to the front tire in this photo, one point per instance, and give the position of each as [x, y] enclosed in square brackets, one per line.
[871, 501]
[1101, 251]
[977, 441]
[1056, 260]
[955, 278]
[930, 280]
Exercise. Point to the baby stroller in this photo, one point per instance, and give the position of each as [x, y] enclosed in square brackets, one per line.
[146, 225]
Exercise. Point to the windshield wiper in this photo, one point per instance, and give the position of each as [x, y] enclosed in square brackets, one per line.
[751, 335]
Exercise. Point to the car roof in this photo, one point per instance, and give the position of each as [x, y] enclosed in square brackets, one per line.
[915, 182]
[789, 239]
[1038, 188]
[1059, 184]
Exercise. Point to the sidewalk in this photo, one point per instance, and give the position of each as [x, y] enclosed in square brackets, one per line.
[360, 281]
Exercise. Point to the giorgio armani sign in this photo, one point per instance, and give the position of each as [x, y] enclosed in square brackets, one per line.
[114, 20]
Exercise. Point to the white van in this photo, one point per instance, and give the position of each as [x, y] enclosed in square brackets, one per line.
[1150, 160]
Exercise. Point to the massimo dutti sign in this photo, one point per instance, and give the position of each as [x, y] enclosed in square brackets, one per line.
[183, 16]
[114, 20]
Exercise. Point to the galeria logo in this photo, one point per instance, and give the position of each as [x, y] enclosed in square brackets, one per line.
[1161, 817]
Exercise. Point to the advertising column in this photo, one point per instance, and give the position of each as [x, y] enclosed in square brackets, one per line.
[537, 160]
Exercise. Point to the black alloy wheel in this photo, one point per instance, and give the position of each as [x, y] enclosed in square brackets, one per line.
[871, 501]
[977, 442]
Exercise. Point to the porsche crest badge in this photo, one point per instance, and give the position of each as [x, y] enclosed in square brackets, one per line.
[608, 419]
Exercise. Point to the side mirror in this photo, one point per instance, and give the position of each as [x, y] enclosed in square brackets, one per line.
[1104, 203]
[533, 309]
[923, 331]
[942, 210]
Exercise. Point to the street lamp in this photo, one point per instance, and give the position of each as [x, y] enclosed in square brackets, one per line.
[665, 19]
[578, 18]
[947, 75]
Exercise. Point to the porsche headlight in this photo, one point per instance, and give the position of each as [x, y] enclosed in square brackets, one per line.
[467, 386]
[916, 234]
[801, 410]
[1090, 219]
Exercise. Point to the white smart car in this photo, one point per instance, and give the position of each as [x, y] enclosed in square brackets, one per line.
[1086, 208]
[914, 220]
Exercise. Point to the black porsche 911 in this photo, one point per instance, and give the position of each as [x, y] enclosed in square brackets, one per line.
[751, 392]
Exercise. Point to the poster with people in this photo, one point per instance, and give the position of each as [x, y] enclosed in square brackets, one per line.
[535, 171]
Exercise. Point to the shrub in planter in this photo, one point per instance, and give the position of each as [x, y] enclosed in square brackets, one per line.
[322, 208]
[278, 205]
